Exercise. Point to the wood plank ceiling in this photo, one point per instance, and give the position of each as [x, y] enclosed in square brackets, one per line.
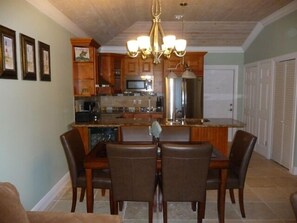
[205, 22]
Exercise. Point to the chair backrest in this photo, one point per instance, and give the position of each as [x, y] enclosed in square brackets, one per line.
[293, 199]
[133, 171]
[175, 134]
[240, 154]
[184, 171]
[136, 133]
[75, 153]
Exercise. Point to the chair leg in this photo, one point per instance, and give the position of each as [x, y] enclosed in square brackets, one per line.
[231, 192]
[115, 208]
[201, 211]
[194, 206]
[82, 194]
[111, 203]
[159, 199]
[74, 197]
[103, 192]
[240, 196]
[151, 210]
[121, 205]
[164, 211]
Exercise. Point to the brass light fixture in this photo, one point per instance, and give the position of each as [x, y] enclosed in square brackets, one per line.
[149, 45]
[187, 73]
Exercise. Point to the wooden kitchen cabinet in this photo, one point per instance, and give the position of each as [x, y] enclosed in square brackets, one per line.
[195, 60]
[85, 66]
[111, 72]
[217, 136]
[138, 66]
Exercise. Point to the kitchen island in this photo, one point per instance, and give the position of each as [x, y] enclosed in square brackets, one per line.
[214, 131]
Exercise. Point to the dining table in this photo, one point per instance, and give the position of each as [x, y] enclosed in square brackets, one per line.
[97, 159]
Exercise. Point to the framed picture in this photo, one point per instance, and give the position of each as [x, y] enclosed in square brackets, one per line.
[8, 64]
[81, 54]
[28, 57]
[44, 61]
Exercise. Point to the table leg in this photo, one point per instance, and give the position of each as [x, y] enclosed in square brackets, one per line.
[89, 191]
[221, 195]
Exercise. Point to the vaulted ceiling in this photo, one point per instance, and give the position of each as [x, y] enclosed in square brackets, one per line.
[205, 22]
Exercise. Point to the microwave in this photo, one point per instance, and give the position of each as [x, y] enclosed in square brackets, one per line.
[140, 83]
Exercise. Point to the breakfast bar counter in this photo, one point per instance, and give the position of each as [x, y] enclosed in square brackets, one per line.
[214, 131]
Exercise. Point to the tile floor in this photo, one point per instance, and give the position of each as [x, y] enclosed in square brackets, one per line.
[267, 190]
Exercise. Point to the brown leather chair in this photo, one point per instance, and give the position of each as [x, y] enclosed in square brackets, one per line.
[293, 200]
[75, 154]
[240, 154]
[184, 173]
[136, 133]
[133, 173]
[175, 134]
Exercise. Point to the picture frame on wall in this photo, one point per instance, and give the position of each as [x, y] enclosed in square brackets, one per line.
[44, 61]
[28, 57]
[81, 54]
[8, 60]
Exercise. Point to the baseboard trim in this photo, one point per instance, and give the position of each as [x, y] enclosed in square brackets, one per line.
[43, 204]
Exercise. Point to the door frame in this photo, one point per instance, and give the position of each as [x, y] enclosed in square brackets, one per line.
[236, 96]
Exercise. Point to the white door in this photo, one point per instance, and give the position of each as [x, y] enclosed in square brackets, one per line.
[284, 112]
[219, 91]
[250, 98]
[263, 108]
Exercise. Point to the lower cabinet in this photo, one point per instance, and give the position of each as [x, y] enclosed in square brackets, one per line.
[217, 136]
[91, 136]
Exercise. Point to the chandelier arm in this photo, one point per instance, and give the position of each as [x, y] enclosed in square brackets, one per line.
[180, 54]
[133, 55]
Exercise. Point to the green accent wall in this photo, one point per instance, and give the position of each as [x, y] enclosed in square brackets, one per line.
[35, 113]
[278, 38]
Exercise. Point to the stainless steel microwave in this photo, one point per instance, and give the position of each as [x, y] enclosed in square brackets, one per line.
[139, 83]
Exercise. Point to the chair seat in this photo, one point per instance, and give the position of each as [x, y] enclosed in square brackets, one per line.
[101, 179]
[213, 180]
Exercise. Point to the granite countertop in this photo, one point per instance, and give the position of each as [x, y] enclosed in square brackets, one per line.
[117, 122]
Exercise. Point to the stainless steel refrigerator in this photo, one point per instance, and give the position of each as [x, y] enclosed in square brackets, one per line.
[184, 98]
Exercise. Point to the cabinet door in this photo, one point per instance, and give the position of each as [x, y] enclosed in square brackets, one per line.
[146, 66]
[131, 66]
[107, 68]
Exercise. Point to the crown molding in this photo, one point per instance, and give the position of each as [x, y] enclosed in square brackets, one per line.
[291, 7]
[123, 50]
[48, 9]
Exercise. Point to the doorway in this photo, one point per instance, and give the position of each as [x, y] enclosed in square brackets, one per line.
[220, 88]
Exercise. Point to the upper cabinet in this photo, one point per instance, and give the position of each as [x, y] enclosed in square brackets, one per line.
[138, 66]
[85, 66]
[110, 73]
[195, 61]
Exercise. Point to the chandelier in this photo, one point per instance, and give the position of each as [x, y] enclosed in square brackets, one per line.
[149, 45]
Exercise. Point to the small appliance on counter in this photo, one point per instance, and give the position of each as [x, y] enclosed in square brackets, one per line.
[87, 113]
[159, 104]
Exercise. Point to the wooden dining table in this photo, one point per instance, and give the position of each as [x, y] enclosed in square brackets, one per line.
[97, 159]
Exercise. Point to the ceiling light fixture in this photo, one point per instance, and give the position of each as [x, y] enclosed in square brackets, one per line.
[187, 73]
[149, 45]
